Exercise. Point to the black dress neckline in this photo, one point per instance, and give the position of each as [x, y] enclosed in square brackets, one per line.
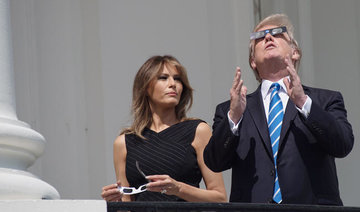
[166, 129]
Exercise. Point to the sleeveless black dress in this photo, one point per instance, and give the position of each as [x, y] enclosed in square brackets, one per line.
[167, 152]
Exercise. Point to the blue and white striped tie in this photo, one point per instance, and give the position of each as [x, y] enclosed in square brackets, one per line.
[276, 114]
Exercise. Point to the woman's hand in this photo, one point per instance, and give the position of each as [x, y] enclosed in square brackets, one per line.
[111, 193]
[163, 184]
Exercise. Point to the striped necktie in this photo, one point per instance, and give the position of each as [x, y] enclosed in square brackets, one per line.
[276, 114]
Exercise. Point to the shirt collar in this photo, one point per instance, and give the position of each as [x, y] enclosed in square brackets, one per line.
[265, 86]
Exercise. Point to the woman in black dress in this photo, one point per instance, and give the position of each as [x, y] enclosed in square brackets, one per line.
[160, 157]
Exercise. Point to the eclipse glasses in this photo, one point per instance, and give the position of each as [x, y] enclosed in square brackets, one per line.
[262, 34]
[133, 190]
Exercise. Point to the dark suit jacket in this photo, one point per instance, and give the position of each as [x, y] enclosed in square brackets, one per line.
[307, 148]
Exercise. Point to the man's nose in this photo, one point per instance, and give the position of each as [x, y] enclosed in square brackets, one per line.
[269, 37]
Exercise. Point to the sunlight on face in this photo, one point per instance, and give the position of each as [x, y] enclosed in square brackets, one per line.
[165, 90]
[272, 45]
[270, 53]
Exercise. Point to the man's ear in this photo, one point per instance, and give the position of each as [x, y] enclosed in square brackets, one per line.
[252, 63]
[295, 54]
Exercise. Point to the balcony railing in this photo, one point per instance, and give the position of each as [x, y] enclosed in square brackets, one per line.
[219, 207]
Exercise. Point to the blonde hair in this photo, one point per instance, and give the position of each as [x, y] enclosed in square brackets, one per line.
[277, 20]
[141, 110]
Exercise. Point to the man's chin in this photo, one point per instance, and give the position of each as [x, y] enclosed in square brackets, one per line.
[273, 56]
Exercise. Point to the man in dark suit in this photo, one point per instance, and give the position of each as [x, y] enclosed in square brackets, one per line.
[282, 140]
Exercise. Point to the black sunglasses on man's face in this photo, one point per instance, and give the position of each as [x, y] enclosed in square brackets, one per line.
[262, 34]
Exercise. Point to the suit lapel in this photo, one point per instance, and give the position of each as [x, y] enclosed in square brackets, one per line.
[289, 116]
[255, 107]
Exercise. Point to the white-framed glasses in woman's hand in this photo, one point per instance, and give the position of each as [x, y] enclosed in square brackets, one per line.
[132, 190]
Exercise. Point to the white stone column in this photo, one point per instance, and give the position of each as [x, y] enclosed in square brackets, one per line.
[20, 146]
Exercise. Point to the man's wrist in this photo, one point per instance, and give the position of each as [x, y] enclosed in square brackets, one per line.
[235, 119]
[305, 109]
[301, 102]
[234, 126]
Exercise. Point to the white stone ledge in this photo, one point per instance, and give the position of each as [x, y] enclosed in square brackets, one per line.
[53, 205]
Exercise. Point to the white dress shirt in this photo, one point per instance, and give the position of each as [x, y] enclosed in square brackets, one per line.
[265, 92]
